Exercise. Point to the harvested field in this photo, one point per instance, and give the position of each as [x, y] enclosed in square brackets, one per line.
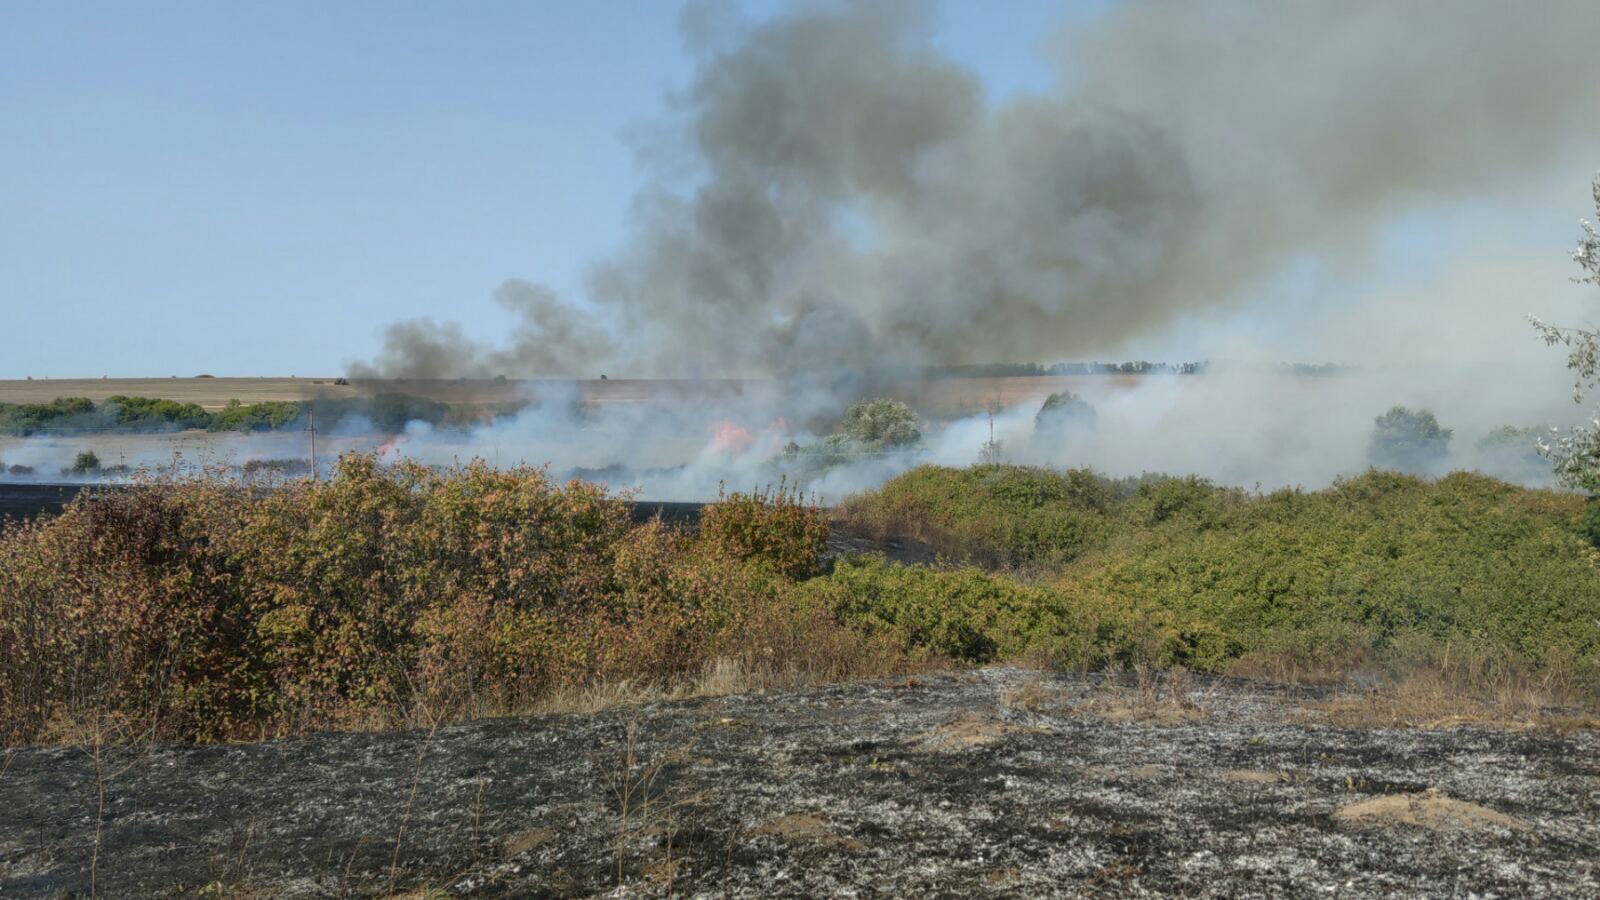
[211, 393]
[995, 782]
[939, 396]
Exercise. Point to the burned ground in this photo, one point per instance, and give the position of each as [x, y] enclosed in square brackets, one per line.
[988, 782]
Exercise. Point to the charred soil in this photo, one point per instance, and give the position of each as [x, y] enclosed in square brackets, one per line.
[990, 782]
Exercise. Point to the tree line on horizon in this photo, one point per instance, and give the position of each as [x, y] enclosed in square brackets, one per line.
[121, 414]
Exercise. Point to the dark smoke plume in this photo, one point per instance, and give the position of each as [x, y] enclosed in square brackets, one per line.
[830, 190]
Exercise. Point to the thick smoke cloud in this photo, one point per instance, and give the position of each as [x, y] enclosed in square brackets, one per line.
[830, 190]
[549, 335]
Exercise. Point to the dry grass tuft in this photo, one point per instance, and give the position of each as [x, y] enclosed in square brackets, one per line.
[1430, 809]
[719, 678]
[1156, 698]
[1432, 698]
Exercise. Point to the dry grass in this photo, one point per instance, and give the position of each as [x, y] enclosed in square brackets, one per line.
[649, 815]
[1430, 809]
[1162, 698]
[719, 678]
[1158, 698]
[1431, 698]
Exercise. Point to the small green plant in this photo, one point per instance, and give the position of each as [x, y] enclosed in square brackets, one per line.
[85, 463]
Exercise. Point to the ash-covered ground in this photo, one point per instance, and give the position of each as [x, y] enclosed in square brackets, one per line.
[996, 782]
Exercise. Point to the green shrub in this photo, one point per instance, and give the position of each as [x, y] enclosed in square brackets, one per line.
[68, 415]
[1064, 412]
[1408, 440]
[1185, 570]
[971, 616]
[265, 416]
[60, 414]
[990, 514]
[85, 463]
[881, 423]
[1589, 529]
[145, 413]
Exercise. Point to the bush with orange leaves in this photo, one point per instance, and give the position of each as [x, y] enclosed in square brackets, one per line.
[772, 524]
[207, 610]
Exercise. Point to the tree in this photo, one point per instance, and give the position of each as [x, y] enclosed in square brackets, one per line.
[881, 423]
[1576, 454]
[1512, 453]
[1064, 411]
[86, 463]
[1408, 440]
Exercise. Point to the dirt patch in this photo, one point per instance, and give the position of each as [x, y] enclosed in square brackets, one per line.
[1429, 809]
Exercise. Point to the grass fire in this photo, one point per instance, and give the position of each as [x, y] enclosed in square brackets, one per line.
[1123, 449]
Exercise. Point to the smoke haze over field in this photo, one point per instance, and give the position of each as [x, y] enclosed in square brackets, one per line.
[831, 197]
[830, 190]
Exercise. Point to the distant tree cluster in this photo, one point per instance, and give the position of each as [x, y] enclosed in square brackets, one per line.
[142, 413]
[79, 415]
[1139, 367]
[269, 415]
[389, 413]
[1063, 412]
[1512, 452]
[1026, 370]
[1408, 440]
[23, 419]
[881, 423]
[867, 428]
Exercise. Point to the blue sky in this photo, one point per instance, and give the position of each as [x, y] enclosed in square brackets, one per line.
[255, 189]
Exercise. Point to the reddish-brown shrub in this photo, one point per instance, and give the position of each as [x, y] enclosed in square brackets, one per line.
[127, 601]
[774, 525]
[210, 610]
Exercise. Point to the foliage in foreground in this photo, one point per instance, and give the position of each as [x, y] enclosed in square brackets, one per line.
[207, 610]
[204, 609]
[1182, 571]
